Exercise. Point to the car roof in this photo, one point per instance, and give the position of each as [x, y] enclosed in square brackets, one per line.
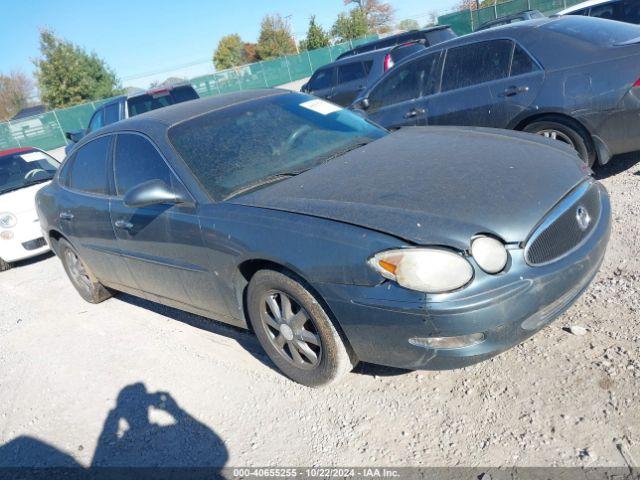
[587, 4]
[162, 118]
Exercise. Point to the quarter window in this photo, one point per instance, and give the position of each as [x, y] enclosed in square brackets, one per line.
[476, 63]
[137, 161]
[522, 62]
[88, 173]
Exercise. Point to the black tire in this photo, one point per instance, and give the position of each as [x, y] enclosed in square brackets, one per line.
[334, 358]
[4, 266]
[86, 284]
[569, 132]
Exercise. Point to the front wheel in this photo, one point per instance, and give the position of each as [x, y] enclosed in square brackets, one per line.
[81, 277]
[566, 132]
[295, 330]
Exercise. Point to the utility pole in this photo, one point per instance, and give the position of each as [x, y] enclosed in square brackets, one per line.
[293, 35]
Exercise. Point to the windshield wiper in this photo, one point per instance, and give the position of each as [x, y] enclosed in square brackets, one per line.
[264, 181]
[342, 151]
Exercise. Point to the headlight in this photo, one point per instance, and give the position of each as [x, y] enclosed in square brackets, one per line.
[8, 220]
[428, 270]
[489, 253]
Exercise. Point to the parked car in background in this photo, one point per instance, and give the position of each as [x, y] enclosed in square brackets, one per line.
[23, 171]
[620, 10]
[336, 240]
[125, 106]
[573, 79]
[343, 80]
[427, 36]
[513, 18]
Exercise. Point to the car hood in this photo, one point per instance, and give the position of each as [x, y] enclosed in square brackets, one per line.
[20, 201]
[435, 185]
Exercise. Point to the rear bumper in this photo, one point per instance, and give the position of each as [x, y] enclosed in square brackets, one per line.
[27, 242]
[379, 321]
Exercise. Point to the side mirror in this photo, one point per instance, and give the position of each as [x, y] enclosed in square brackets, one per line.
[303, 88]
[75, 137]
[364, 103]
[153, 192]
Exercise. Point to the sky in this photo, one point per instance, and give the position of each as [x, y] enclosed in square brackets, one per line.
[148, 40]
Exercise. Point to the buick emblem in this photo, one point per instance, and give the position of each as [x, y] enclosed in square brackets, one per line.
[583, 218]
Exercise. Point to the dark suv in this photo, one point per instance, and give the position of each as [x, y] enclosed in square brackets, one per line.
[426, 36]
[343, 80]
[125, 106]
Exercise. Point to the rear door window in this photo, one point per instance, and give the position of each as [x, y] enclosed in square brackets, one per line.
[350, 72]
[476, 63]
[88, 172]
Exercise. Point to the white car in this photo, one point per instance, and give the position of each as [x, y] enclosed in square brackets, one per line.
[621, 10]
[23, 171]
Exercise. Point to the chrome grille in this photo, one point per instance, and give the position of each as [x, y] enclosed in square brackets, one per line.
[561, 233]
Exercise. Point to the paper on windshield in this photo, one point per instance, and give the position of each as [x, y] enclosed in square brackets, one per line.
[32, 156]
[320, 106]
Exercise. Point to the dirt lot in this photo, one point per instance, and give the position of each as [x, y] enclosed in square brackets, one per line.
[79, 383]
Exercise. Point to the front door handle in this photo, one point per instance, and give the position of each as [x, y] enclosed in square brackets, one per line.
[66, 216]
[414, 112]
[124, 225]
[513, 90]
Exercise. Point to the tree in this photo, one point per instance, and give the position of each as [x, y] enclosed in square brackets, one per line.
[408, 24]
[472, 5]
[433, 18]
[316, 36]
[379, 14]
[249, 50]
[67, 75]
[275, 38]
[230, 52]
[350, 26]
[15, 90]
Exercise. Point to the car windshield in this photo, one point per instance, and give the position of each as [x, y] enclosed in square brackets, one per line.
[160, 98]
[22, 168]
[256, 142]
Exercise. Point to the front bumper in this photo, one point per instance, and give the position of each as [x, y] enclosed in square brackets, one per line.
[379, 321]
[27, 240]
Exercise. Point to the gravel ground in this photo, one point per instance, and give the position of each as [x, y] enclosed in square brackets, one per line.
[128, 382]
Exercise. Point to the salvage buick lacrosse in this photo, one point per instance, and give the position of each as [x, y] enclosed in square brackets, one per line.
[334, 240]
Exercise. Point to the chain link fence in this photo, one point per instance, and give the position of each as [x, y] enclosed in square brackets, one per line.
[467, 21]
[47, 130]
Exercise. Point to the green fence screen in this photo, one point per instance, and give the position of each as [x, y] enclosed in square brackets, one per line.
[467, 21]
[46, 131]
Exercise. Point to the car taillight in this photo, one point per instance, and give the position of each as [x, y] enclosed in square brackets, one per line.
[388, 62]
[636, 84]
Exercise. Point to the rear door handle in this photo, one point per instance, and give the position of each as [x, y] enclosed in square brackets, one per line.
[66, 216]
[414, 112]
[513, 90]
[124, 225]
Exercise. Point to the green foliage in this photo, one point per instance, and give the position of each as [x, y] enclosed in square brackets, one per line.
[316, 36]
[275, 38]
[408, 24]
[67, 75]
[230, 52]
[15, 89]
[350, 26]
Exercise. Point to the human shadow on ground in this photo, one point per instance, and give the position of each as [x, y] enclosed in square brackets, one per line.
[132, 444]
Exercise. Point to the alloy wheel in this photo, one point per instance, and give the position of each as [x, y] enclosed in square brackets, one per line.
[291, 330]
[77, 270]
[557, 135]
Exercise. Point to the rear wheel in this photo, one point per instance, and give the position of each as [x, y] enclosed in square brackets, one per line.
[4, 266]
[295, 330]
[566, 131]
[81, 277]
